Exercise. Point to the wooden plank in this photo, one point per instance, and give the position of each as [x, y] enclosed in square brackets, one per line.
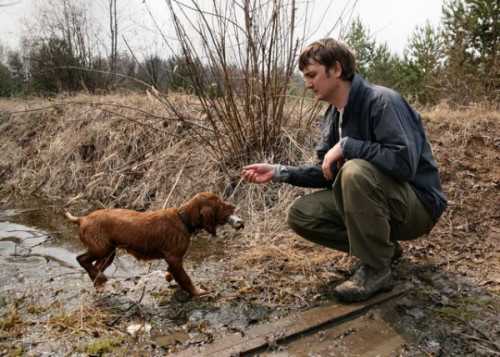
[260, 336]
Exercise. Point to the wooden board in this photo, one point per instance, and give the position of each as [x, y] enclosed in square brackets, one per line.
[259, 336]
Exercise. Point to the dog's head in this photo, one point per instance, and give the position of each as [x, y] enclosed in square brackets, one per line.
[207, 211]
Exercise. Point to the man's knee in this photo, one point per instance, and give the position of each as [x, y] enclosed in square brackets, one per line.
[355, 169]
[293, 216]
[302, 212]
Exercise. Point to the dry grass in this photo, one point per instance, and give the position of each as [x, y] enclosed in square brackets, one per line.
[36, 319]
[128, 151]
[117, 150]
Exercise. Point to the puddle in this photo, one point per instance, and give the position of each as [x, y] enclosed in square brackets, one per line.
[31, 233]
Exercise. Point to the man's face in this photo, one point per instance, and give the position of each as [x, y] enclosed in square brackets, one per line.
[321, 82]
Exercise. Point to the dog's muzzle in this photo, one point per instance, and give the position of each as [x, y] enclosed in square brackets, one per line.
[235, 221]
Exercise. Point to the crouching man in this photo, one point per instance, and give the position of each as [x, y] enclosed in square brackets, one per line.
[378, 178]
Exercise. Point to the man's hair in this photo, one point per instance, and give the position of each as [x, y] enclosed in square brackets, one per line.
[326, 52]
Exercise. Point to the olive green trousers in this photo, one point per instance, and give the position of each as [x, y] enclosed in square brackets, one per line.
[364, 213]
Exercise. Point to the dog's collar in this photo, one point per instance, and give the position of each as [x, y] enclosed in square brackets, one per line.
[191, 229]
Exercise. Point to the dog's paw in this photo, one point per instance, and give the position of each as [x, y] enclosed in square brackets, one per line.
[100, 280]
[107, 289]
[199, 292]
[168, 277]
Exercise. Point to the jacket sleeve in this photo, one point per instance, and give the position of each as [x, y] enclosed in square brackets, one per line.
[311, 175]
[396, 146]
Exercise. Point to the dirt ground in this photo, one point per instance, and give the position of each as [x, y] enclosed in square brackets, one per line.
[451, 277]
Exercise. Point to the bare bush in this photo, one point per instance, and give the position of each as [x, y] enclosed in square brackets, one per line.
[240, 57]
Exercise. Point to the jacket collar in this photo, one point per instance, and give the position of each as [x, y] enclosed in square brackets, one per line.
[355, 94]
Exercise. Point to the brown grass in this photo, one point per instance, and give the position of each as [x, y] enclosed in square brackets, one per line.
[127, 151]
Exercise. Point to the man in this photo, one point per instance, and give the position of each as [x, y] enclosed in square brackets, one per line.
[379, 178]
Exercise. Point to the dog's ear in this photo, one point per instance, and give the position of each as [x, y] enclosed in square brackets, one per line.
[209, 219]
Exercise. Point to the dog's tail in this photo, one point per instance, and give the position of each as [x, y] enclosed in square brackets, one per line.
[71, 218]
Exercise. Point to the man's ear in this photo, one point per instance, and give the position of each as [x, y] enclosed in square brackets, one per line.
[336, 69]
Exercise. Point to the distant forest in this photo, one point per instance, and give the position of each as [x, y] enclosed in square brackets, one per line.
[457, 62]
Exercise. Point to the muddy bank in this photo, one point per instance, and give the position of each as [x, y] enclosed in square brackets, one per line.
[138, 312]
[49, 304]
[82, 158]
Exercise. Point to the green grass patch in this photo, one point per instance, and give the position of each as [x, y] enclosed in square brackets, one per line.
[453, 314]
[103, 345]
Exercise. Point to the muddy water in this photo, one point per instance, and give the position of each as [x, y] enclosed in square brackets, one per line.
[32, 232]
[38, 267]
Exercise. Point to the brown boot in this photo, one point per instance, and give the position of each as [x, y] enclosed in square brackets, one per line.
[365, 283]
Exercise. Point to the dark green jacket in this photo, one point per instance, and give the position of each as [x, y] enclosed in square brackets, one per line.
[378, 126]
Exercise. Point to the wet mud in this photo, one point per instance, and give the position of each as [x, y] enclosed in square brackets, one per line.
[50, 307]
[39, 272]
[375, 333]
[42, 281]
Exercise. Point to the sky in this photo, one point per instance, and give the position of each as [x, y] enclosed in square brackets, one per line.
[390, 21]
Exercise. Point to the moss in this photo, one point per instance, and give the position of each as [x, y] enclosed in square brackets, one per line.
[163, 299]
[467, 300]
[452, 314]
[103, 345]
[34, 309]
[419, 295]
[490, 303]
[17, 351]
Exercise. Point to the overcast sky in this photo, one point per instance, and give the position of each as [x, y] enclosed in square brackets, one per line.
[391, 21]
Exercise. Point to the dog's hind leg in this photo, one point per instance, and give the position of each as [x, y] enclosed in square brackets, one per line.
[102, 264]
[86, 260]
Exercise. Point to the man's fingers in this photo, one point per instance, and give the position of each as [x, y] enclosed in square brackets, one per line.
[326, 173]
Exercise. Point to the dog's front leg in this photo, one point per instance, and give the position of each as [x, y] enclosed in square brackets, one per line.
[176, 270]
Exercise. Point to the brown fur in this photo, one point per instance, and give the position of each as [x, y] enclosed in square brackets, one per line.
[148, 235]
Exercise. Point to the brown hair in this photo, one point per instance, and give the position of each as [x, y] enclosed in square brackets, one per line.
[326, 52]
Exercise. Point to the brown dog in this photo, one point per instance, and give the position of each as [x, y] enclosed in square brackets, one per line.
[163, 234]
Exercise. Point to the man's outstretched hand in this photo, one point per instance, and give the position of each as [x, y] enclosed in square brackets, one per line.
[258, 173]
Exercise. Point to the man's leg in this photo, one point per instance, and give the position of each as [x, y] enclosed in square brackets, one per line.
[315, 218]
[377, 210]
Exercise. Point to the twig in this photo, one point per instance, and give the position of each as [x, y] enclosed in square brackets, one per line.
[465, 322]
[235, 188]
[175, 183]
[424, 351]
[490, 352]
[135, 303]
[475, 338]
[144, 288]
